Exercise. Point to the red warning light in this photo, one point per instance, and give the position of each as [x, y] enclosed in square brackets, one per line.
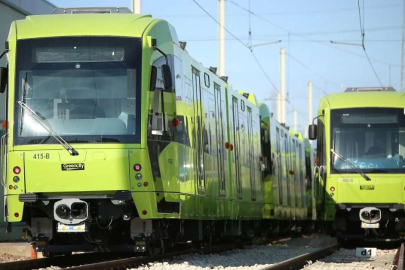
[175, 122]
[227, 145]
[17, 170]
[144, 212]
[16, 215]
[4, 125]
[137, 167]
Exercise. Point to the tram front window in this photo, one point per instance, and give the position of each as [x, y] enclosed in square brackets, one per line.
[372, 139]
[86, 88]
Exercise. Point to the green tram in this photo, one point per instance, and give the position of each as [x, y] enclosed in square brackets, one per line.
[360, 170]
[117, 140]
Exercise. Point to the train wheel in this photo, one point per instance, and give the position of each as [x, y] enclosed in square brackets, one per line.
[151, 250]
[208, 242]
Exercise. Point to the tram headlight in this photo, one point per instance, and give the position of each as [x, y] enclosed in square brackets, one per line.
[365, 215]
[63, 211]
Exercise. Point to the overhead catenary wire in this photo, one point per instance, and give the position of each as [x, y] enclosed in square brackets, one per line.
[362, 42]
[295, 41]
[247, 46]
[241, 42]
[295, 59]
[304, 36]
[300, 12]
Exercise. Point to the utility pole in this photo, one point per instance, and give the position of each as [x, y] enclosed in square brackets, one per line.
[295, 126]
[279, 107]
[403, 49]
[221, 37]
[282, 84]
[136, 6]
[309, 105]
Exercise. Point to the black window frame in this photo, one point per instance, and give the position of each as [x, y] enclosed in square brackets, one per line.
[24, 49]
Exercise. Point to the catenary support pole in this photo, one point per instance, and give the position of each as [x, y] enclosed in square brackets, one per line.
[309, 105]
[295, 120]
[136, 6]
[221, 37]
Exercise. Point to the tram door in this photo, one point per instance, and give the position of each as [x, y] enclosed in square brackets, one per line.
[198, 132]
[279, 168]
[220, 139]
[287, 164]
[236, 144]
[251, 155]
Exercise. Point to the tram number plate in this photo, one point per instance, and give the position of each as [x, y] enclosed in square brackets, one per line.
[71, 228]
[366, 252]
[370, 225]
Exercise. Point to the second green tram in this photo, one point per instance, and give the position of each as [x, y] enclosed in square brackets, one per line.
[360, 171]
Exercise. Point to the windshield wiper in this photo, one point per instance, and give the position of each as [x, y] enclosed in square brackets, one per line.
[24, 93]
[48, 128]
[351, 165]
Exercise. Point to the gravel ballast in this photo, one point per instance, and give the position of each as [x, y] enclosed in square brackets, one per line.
[10, 258]
[253, 257]
[345, 259]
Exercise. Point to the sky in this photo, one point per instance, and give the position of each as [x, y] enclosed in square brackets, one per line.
[305, 28]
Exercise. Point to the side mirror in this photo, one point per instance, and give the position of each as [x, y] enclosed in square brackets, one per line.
[312, 132]
[153, 76]
[3, 79]
[167, 76]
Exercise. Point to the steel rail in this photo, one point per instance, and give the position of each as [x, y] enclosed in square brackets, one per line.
[302, 260]
[100, 261]
[398, 263]
[57, 261]
[136, 261]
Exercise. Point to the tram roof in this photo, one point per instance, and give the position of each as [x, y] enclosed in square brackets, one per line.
[57, 25]
[366, 99]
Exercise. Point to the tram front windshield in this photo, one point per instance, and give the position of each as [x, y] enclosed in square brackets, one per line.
[86, 88]
[372, 139]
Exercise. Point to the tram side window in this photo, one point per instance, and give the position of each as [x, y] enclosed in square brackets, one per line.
[212, 129]
[224, 128]
[182, 130]
[164, 99]
[205, 111]
[243, 149]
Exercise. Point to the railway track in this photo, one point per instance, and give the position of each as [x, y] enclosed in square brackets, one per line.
[100, 261]
[300, 261]
[330, 257]
[390, 259]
